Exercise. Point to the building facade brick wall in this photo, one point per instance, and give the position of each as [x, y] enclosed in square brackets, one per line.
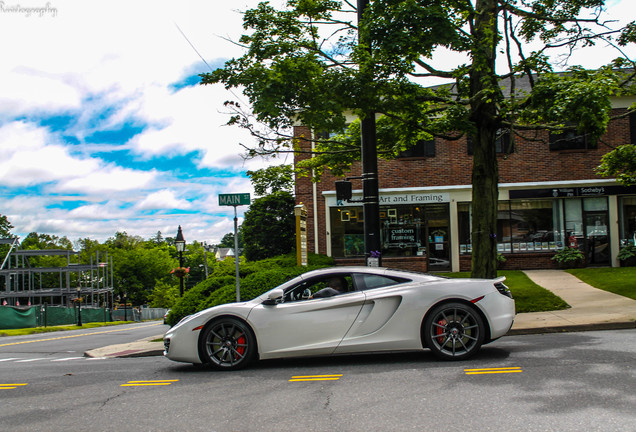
[531, 161]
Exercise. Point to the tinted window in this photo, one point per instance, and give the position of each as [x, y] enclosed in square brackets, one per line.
[370, 281]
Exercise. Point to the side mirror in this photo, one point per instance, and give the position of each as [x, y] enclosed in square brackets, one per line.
[275, 297]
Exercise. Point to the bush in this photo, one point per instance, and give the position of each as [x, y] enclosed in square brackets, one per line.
[627, 252]
[192, 299]
[569, 258]
[627, 256]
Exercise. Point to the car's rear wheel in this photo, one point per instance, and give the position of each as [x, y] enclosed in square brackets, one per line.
[454, 331]
[227, 344]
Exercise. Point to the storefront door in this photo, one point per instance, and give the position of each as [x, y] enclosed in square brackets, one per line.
[437, 238]
[597, 249]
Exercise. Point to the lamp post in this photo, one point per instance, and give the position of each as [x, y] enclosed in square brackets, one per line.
[179, 243]
[79, 305]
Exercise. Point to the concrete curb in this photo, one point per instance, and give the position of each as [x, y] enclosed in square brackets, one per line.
[140, 348]
[574, 328]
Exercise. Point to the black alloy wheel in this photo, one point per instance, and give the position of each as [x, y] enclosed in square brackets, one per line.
[227, 344]
[454, 331]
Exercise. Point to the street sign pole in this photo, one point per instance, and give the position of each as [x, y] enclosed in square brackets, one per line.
[236, 257]
[235, 200]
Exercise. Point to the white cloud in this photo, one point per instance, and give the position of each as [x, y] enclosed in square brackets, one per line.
[162, 200]
[33, 156]
[110, 179]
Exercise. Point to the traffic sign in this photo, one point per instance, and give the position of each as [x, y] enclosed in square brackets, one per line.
[234, 199]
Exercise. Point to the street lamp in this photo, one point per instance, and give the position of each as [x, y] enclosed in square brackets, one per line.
[79, 306]
[179, 243]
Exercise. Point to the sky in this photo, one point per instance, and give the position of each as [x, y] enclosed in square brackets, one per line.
[103, 126]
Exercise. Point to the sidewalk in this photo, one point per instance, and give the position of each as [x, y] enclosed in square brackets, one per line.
[591, 309]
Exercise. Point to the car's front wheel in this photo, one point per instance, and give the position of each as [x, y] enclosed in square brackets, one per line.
[227, 344]
[454, 331]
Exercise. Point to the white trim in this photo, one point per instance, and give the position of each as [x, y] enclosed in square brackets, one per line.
[521, 185]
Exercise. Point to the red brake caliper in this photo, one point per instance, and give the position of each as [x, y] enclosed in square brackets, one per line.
[240, 341]
[440, 331]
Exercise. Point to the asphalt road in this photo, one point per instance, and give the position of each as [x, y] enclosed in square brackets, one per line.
[58, 344]
[553, 382]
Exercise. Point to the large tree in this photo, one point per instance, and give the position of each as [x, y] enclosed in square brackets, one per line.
[305, 64]
[269, 226]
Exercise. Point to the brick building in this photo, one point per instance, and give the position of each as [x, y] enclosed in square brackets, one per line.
[549, 197]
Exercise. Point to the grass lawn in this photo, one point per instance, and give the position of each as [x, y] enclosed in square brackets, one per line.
[619, 280]
[529, 297]
[34, 330]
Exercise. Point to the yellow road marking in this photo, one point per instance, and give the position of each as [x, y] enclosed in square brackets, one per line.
[154, 381]
[333, 377]
[492, 370]
[77, 335]
[148, 383]
[12, 386]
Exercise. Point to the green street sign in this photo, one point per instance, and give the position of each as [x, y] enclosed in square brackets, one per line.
[234, 199]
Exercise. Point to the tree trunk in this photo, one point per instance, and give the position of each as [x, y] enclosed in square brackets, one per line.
[486, 95]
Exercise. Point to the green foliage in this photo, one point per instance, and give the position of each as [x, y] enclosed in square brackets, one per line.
[621, 164]
[269, 227]
[579, 98]
[164, 295]
[137, 270]
[192, 300]
[272, 179]
[569, 257]
[626, 253]
[228, 240]
[5, 227]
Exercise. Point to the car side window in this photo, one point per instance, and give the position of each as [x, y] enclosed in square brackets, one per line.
[369, 281]
[306, 289]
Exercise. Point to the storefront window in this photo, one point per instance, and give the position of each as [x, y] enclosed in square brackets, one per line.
[573, 222]
[463, 219]
[628, 221]
[347, 231]
[522, 226]
[406, 230]
[402, 230]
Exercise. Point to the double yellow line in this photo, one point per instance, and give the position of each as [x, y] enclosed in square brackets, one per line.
[334, 377]
[77, 335]
[492, 371]
[149, 383]
[12, 386]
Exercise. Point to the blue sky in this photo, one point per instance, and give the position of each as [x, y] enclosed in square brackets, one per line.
[103, 127]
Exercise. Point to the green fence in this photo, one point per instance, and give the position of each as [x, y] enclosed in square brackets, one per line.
[41, 316]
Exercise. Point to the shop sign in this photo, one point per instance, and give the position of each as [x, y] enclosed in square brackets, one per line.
[414, 198]
[589, 191]
[402, 235]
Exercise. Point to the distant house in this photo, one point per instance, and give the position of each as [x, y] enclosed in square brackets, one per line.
[222, 253]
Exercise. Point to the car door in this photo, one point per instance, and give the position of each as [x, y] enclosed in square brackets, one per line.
[378, 325]
[304, 327]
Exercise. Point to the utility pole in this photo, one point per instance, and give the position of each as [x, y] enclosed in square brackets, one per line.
[369, 156]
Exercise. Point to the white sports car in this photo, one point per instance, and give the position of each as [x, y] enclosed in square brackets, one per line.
[374, 309]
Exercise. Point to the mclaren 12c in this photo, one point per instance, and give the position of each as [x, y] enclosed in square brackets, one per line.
[345, 310]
